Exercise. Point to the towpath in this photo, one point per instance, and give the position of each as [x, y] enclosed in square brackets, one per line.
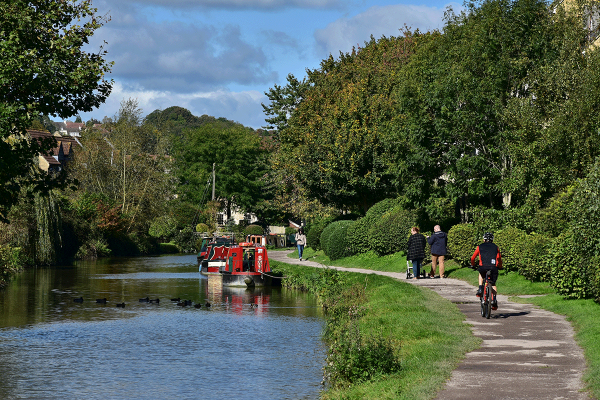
[527, 352]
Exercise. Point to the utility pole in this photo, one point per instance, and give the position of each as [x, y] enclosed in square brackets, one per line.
[213, 188]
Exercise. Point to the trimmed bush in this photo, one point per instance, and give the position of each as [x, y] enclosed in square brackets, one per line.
[390, 233]
[358, 234]
[535, 258]
[333, 239]
[511, 242]
[572, 273]
[462, 241]
[314, 229]
[202, 228]
[254, 230]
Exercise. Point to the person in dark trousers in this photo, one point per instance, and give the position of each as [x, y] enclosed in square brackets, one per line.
[416, 250]
[438, 242]
[490, 259]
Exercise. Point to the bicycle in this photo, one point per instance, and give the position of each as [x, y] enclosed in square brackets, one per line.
[488, 296]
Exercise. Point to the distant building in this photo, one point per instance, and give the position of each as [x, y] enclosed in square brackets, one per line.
[59, 155]
[68, 128]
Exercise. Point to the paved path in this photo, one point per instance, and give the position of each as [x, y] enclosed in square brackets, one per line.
[527, 352]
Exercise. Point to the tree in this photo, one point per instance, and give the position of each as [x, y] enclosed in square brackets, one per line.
[284, 102]
[43, 71]
[334, 140]
[126, 163]
[496, 53]
[239, 158]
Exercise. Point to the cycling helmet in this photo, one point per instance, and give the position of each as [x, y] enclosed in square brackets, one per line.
[488, 237]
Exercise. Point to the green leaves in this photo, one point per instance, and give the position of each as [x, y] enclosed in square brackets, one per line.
[44, 70]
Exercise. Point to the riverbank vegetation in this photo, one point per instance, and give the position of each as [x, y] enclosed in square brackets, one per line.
[583, 314]
[384, 336]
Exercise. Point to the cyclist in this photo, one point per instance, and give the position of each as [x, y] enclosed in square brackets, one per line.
[490, 259]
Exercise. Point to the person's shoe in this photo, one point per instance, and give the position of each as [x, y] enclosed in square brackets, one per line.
[479, 292]
[494, 305]
[300, 259]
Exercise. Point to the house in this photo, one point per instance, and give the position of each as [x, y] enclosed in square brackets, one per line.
[59, 155]
[68, 128]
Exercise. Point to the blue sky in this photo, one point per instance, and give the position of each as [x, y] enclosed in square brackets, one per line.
[219, 57]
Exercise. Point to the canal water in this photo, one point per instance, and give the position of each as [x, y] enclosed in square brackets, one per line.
[248, 344]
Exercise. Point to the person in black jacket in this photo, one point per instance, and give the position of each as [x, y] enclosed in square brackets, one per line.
[438, 242]
[416, 250]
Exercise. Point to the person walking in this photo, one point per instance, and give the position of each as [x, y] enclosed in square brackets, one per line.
[416, 250]
[300, 242]
[439, 248]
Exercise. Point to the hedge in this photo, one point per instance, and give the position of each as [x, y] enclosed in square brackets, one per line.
[512, 244]
[390, 233]
[314, 229]
[462, 241]
[333, 239]
[358, 234]
[254, 230]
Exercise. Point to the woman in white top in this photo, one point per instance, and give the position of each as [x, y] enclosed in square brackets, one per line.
[300, 242]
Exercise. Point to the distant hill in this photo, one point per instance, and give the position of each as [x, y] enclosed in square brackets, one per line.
[178, 118]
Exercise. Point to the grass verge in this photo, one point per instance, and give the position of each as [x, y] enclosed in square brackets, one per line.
[426, 332]
[584, 315]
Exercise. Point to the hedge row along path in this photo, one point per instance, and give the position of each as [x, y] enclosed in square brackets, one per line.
[527, 352]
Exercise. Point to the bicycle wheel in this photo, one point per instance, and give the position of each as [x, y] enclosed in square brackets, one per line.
[483, 303]
[488, 300]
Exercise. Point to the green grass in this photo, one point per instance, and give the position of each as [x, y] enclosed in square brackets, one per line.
[584, 316]
[428, 330]
[392, 263]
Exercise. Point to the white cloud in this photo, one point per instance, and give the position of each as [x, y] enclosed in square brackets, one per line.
[343, 34]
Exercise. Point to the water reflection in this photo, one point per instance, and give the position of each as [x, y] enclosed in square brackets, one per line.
[248, 343]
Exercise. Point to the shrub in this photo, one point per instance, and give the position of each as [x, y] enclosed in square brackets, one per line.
[290, 231]
[572, 273]
[390, 233]
[511, 242]
[462, 241]
[168, 248]
[554, 219]
[535, 258]
[353, 358]
[163, 227]
[333, 239]
[254, 230]
[185, 240]
[92, 249]
[314, 229]
[358, 234]
[202, 228]
[574, 254]
[10, 262]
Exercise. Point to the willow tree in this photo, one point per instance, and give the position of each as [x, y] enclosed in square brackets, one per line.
[43, 71]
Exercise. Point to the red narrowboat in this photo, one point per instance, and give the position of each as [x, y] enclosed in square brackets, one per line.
[213, 254]
[243, 265]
